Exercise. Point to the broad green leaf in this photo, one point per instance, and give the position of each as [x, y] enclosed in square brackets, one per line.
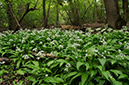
[79, 74]
[100, 68]
[113, 61]
[122, 76]
[91, 83]
[106, 74]
[36, 63]
[87, 44]
[54, 65]
[53, 79]
[21, 72]
[116, 72]
[114, 82]
[87, 65]
[3, 71]
[18, 64]
[102, 61]
[114, 41]
[31, 55]
[101, 82]
[91, 50]
[31, 78]
[21, 82]
[61, 60]
[79, 64]
[92, 73]
[71, 74]
[84, 78]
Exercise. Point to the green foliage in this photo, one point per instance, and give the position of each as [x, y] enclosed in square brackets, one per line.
[83, 58]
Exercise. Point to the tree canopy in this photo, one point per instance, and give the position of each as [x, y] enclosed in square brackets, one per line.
[35, 13]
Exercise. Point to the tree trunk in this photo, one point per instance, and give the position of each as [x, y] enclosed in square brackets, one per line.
[11, 21]
[57, 15]
[125, 9]
[97, 13]
[44, 14]
[114, 19]
[45, 17]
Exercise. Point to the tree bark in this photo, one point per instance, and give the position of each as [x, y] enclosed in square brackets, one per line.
[97, 13]
[57, 14]
[114, 19]
[125, 9]
[45, 16]
[11, 21]
[14, 15]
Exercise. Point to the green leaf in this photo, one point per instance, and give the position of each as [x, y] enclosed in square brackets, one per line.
[92, 73]
[90, 50]
[116, 72]
[71, 74]
[122, 76]
[100, 68]
[31, 78]
[54, 65]
[87, 44]
[53, 79]
[3, 71]
[113, 61]
[36, 63]
[106, 74]
[102, 61]
[21, 72]
[61, 61]
[91, 83]
[84, 78]
[79, 74]
[87, 65]
[114, 82]
[21, 83]
[31, 55]
[78, 65]
[18, 64]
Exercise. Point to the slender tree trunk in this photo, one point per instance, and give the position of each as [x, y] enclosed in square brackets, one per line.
[45, 16]
[57, 15]
[97, 13]
[125, 9]
[11, 21]
[114, 19]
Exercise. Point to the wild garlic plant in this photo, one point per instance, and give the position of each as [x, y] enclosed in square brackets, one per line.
[84, 57]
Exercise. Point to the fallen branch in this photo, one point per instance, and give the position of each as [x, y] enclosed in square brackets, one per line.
[46, 55]
[6, 61]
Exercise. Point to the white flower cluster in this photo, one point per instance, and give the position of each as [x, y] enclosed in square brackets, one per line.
[40, 54]
[67, 67]
[18, 49]
[60, 46]
[2, 62]
[35, 49]
[25, 56]
[75, 45]
[53, 42]
[49, 63]
[126, 45]
[54, 53]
